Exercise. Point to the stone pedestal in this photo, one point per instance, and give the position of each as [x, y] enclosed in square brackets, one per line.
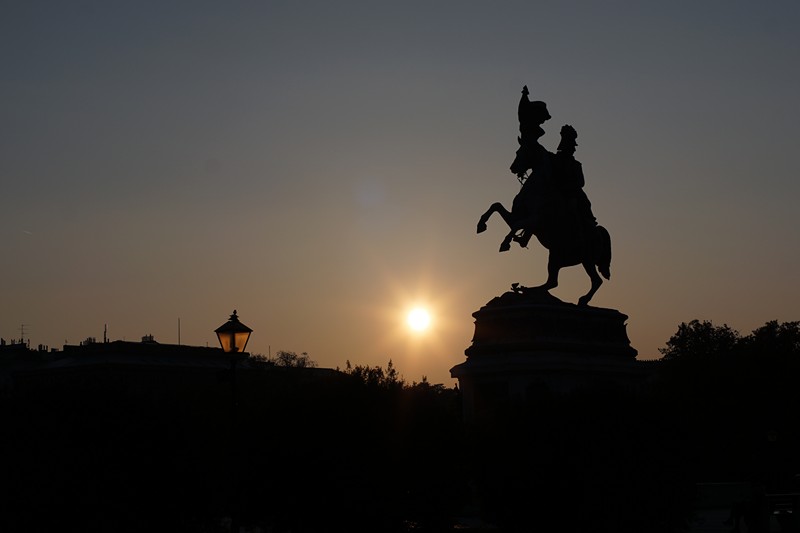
[526, 341]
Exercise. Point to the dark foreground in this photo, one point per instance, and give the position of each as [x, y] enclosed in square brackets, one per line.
[306, 450]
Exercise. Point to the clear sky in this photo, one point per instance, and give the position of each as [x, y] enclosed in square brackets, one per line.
[321, 166]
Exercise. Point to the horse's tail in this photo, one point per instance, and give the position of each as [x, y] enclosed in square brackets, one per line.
[603, 252]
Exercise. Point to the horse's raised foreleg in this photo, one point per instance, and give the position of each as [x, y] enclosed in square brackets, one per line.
[496, 207]
[507, 216]
[596, 282]
[506, 244]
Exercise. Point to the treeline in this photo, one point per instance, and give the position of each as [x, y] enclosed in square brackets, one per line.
[703, 341]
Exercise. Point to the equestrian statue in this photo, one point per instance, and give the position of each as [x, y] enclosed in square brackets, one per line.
[551, 204]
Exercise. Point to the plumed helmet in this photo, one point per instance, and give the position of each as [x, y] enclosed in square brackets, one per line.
[536, 112]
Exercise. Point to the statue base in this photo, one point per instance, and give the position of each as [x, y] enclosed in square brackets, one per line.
[529, 340]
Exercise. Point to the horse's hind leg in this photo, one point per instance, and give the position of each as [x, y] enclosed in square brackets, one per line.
[553, 268]
[596, 282]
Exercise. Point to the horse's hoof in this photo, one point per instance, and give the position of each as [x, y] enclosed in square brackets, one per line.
[583, 301]
[504, 247]
[481, 227]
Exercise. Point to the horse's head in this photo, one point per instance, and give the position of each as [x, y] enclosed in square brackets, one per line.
[523, 162]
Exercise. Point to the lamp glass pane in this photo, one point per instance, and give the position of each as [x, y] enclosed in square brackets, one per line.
[241, 340]
[225, 340]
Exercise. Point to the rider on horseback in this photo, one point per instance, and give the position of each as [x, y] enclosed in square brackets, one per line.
[569, 176]
[558, 208]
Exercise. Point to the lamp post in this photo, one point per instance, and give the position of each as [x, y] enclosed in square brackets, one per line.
[233, 337]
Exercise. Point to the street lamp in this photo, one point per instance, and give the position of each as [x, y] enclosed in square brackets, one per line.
[233, 335]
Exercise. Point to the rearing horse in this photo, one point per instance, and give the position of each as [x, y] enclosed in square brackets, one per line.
[539, 209]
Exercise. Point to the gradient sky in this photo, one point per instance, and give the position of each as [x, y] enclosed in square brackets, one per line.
[321, 166]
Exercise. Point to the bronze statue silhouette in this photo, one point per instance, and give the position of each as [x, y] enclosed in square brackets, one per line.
[552, 204]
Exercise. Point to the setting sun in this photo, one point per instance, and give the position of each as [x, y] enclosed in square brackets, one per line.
[418, 319]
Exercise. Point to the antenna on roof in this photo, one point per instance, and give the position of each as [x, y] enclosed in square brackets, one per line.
[22, 332]
[105, 333]
[179, 331]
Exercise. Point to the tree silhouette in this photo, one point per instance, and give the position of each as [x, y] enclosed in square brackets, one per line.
[774, 340]
[292, 360]
[376, 376]
[700, 339]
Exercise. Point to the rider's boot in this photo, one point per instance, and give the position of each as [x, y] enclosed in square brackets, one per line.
[523, 239]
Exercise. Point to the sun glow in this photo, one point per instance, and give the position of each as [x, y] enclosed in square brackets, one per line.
[418, 319]
[416, 327]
